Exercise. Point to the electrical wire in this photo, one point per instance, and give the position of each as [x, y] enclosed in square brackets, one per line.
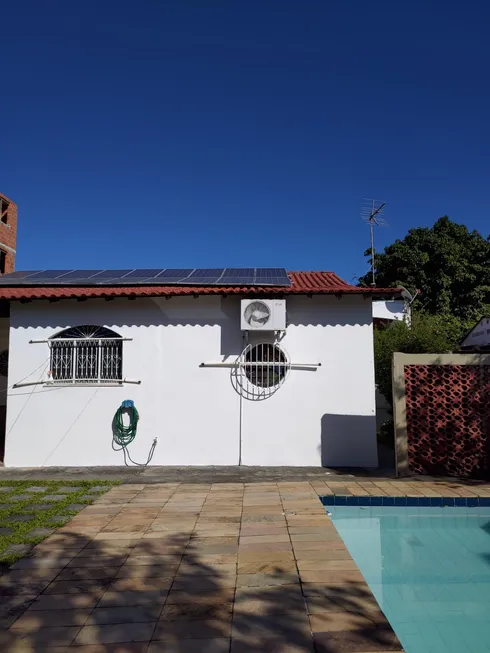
[70, 427]
[11, 387]
[30, 395]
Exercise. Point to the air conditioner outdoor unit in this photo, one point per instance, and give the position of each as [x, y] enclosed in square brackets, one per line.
[263, 315]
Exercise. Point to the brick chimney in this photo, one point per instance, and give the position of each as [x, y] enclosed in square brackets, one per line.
[8, 234]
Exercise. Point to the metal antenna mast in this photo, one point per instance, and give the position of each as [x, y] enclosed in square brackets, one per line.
[372, 212]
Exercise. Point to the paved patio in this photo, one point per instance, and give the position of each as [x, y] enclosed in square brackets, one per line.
[188, 474]
[202, 568]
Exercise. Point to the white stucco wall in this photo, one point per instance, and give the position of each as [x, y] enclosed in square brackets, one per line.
[4, 345]
[317, 417]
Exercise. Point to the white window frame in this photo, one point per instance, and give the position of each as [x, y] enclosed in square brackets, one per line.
[86, 355]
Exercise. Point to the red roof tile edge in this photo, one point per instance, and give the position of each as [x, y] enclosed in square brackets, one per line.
[319, 283]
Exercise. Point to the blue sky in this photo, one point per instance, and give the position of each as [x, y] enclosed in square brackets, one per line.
[184, 133]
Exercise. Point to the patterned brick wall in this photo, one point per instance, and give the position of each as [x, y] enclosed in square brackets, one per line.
[448, 419]
[8, 231]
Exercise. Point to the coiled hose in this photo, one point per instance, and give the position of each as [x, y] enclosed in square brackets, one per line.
[124, 435]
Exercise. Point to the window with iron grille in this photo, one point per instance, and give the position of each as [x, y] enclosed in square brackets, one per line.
[267, 365]
[86, 354]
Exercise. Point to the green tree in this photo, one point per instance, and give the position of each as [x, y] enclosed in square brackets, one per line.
[437, 334]
[447, 263]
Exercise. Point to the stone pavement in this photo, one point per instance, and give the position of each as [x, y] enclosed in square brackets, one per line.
[194, 568]
[402, 487]
[203, 568]
[188, 474]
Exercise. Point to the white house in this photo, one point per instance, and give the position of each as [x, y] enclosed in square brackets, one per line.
[215, 381]
[478, 337]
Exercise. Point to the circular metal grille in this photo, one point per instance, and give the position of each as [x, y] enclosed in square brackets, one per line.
[261, 370]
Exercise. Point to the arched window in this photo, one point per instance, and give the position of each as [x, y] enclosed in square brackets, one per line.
[86, 354]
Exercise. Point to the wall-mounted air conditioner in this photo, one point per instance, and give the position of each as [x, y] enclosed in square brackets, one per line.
[263, 315]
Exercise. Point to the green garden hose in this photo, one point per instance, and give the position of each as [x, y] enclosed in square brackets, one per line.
[124, 435]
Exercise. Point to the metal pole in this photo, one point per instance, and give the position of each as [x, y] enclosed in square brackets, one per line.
[371, 229]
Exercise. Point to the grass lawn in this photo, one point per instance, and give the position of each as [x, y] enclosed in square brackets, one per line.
[32, 510]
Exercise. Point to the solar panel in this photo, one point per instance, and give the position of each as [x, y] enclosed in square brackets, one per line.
[238, 276]
[156, 276]
[142, 274]
[271, 272]
[48, 275]
[272, 277]
[79, 274]
[272, 281]
[175, 273]
[239, 272]
[206, 273]
[18, 275]
[111, 274]
[237, 281]
[201, 277]
[197, 281]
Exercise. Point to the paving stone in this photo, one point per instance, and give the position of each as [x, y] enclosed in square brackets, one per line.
[40, 532]
[54, 497]
[97, 488]
[76, 506]
[53, 636]
[36, 488]
[41, 562]
[214, 645]
[303, 644]
[11, 607]
[20, 497]
[69, 488]
[6, 489]
[19, 518]
[39, 506]
[335, 621]
[192, 629]
[115, 633]
[17, 548]
[125, 615]
[59, 518]
[130, 598]
[189, 611]
[93, 587]
[373, 639]
[33, 620]
[4, 530]
[66, 602]
[87, 573]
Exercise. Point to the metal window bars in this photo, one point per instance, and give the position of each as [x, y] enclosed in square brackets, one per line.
[87, 360]
[261, 370]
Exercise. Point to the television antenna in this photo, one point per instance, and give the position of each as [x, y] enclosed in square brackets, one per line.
[372, 213]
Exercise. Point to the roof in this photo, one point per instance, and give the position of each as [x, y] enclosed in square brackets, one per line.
[478, 336]
[303, 283]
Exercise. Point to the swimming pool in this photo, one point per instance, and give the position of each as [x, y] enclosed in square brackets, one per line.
[429, 569]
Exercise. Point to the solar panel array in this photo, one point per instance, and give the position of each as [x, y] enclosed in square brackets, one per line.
[154, 277]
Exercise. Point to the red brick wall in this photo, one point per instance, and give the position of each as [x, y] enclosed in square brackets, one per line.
[8, 235]
[448, 419]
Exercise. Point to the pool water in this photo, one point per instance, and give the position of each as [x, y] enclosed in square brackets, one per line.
[429, 569]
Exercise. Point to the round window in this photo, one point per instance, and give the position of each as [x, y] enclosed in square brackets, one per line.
[268, 365]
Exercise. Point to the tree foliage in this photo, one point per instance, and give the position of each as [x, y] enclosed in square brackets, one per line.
[447, 263]
[436, 334]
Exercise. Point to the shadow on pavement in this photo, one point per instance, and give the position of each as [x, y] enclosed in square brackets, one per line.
[123, 594]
